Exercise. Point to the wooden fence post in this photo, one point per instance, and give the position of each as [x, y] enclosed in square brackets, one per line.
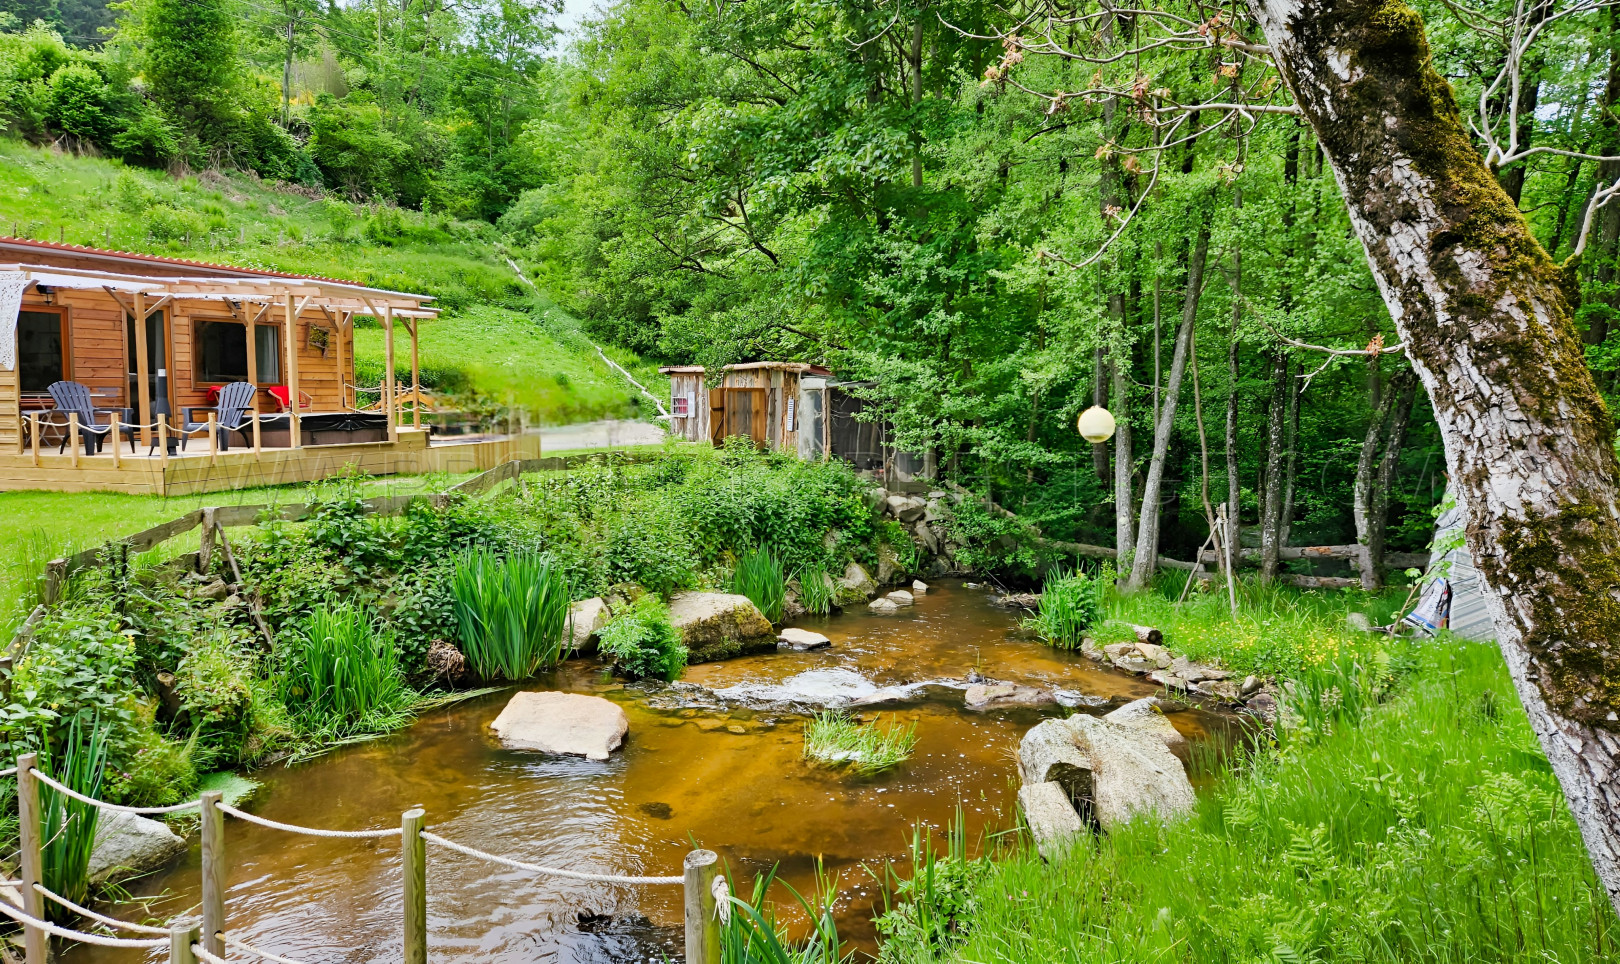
[55, 575]
[181, 937]
[413, 854]
[33, 435]
[205, 544]
[73, 436]
[214, 873]
[115, 436]
[702, 918]
[36, 941]
[213, 437]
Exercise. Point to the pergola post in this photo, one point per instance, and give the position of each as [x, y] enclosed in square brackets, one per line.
[143, 390]
[388, 373]
[416, 378]
[340, 322]
[251, 330]
[291, 327]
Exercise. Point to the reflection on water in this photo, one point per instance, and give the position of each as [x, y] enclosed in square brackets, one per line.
[720, 766]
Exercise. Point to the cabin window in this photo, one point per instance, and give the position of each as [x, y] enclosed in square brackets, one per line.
[222, 352]
[682, 405]
[41, 349]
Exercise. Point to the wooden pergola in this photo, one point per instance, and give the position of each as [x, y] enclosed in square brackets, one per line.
[254, 301]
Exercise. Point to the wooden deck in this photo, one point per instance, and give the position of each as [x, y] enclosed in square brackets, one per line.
[196, 471]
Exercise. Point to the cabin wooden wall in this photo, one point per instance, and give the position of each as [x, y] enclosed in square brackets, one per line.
[777, 388]
[98, 356]
[694, 428]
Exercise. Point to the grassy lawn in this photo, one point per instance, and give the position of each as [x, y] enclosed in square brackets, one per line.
[1428, 829]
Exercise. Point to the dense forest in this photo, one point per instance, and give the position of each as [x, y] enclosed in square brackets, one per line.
[896, 191]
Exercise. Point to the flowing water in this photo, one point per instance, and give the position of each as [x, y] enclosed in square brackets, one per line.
[715, 760]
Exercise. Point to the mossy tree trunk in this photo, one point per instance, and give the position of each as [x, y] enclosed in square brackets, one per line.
[1483, 312]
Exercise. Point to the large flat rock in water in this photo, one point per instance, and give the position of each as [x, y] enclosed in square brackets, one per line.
[1120, 772]
[563, 723]
[720, 625]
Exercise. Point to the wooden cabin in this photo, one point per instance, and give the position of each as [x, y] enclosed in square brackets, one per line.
[761, 401]
[155, 339]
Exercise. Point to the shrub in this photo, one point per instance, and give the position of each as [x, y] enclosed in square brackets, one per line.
[759, 576]
[835, 739]
[511, 614]
[77, 100]
[218, 699]
[643, 642]
[339, 216]
[644, 551]
[1069, 604]
[342, 674]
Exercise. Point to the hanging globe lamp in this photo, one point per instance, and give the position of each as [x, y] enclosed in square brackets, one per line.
[1096, 424]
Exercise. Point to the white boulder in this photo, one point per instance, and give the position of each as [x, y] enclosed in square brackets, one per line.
[802, 639]
[1051, 817]
[1147, 716]
[720, 625]
[883, 604]
[128, 845]
[586, 619]
[901, 598]
[1116, 772]
[570, 724]
[919, 588]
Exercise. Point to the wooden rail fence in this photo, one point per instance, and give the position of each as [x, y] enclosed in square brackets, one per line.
[707, 896]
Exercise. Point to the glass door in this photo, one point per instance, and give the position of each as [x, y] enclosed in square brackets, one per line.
[157, 359]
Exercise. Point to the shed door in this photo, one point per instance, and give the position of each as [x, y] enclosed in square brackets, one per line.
[745, 414]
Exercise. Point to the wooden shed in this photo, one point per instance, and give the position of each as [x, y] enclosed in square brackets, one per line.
[756, 400]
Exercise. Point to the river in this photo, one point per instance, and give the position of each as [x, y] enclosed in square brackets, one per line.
[722, 770]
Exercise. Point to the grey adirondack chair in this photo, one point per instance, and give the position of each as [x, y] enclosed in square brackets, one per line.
[233, 414]
[73, 398]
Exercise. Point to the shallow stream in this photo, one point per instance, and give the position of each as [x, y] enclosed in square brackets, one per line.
[716, 761]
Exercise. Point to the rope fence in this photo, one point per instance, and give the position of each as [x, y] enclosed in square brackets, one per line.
[706, 892]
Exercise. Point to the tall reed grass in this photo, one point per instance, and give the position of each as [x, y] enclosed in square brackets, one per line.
[68, 826]
[816, 590]
[752, 935]
[832, 738]
[341, 672]
[760, 577]
[1069, 605]
[511, 614]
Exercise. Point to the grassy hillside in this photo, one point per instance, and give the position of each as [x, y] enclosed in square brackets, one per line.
[495, 336]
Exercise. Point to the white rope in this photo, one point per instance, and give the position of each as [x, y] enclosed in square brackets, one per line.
[72, 935]
[309, 831]
[203, 955]
[9, 772]
[99, 918]
[548, 871]
[245, 946]
[41, 777]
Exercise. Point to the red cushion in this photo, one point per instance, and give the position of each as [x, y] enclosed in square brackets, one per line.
[281, 395]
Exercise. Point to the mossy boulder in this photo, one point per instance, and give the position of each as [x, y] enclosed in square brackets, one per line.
[718, 625]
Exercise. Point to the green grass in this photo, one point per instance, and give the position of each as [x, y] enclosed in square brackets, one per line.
[834, 739]
[511, 614]
[816, 590]
[759, 576]
[68, 826]
[1432, 831]
[1277, 631]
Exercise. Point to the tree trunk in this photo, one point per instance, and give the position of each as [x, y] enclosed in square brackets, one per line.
[1124, 459]
[1403, 391]
[1291, 469]
[1276, 441]
[1234, 481]
[1483, 313]
[1147, 530]
[1361, 491]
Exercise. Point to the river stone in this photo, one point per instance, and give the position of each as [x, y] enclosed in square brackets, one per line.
[128, 845]
[995, 696]
[1146, 716]
[587, 616]
[919, 588]
[890, 570]
[1251, 685]
[1131, 663]
[719, 625]
[857, 585]
[1168, 680]
[1118, 771]
[883, 605]
[1052, 819]
[901, 598]
[802, 639]
[1117, 650]
[567, 724]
